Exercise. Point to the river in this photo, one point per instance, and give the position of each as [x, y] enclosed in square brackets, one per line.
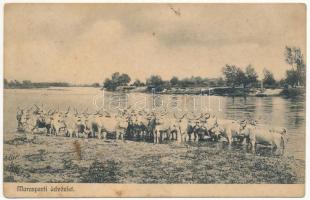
[268, 111]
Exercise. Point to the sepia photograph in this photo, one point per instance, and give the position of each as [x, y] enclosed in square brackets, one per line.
[154, 100]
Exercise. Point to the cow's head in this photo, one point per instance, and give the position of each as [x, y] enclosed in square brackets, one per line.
[216, 131]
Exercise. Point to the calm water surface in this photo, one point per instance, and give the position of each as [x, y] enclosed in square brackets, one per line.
[268, 111]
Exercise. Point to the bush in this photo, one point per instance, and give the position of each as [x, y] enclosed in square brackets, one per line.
[293, 92]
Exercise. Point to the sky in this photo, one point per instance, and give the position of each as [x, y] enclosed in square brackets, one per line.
[86, 43]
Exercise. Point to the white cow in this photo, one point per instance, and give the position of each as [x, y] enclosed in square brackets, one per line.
[230, 129]
[276, 139]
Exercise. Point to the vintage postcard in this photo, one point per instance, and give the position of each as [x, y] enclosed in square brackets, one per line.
[154, 100]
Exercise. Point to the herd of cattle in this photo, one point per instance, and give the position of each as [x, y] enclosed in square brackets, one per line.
[154, 126]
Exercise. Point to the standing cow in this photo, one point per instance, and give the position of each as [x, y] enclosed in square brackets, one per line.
[274, 138]
[230, 129]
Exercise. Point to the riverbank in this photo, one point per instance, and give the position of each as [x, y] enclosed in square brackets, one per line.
[219, 91]
[110, 161]
[293, 92]
[227, 91]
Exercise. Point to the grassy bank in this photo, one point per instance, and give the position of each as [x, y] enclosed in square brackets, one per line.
[36, 158]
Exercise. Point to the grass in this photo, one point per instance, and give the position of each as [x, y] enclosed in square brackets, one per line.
[57, 159]
[102, 172]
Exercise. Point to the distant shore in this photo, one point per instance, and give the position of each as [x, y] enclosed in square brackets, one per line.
[217, 91]
[226, 91]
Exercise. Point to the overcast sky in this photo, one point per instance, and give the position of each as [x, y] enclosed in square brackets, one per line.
[87, 43]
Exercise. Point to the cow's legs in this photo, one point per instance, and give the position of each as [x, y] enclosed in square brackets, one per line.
[189, 136]
[100, 134]
[154, 137]
[196, 137]
[229, 137]
[179, 137]
[282, 146]
[74, 132]
[104, 135]
[183, 137]
[116, 135]
[157, 137]
[121, 135]
[253, 146]
[143, 135]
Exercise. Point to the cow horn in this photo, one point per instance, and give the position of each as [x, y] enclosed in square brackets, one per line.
[201, 115]
[174, 115]
[183, 115]
[68, 110]
[36, 107]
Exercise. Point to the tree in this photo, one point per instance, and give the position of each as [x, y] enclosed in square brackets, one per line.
[123, 79]
[196, 81]
[138, 83]
[115, 77]
[174, 81]
[220, 82]
[234, 76]
[109, 85]
[301, 72]
[289, 56]
[116, 80]
[268, 79]
[156, 82]
[251, 76]
[292, 77]
[95, 85]
[230, 73]
[5, 83]
[27, 84]
[241, 78]
[294, 57]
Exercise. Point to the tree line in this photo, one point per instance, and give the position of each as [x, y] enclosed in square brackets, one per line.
[27, 84]
[296, 76]
[157, 83]
[233, 77]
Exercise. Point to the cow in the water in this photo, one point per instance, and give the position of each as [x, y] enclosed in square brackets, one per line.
[273, 137]
[230, 129]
